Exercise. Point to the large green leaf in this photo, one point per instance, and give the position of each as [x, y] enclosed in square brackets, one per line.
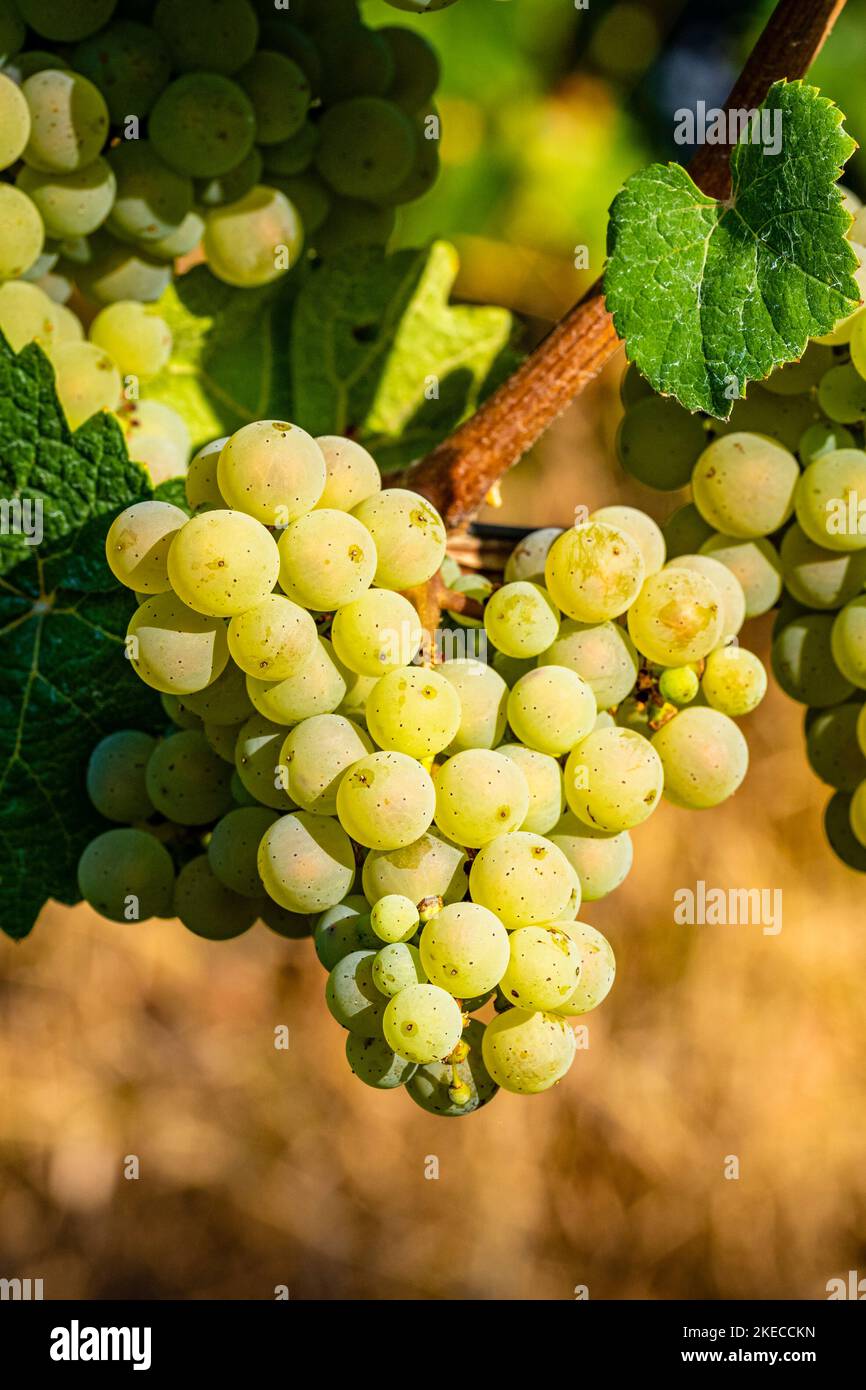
[710, 295]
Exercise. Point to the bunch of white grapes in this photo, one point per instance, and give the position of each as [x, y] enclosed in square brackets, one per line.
[135, 134]
[436, 825]
[778, 497]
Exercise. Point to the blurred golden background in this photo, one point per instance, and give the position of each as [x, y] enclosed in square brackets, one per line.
[261, 1167]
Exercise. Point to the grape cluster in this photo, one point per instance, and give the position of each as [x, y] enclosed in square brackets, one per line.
[779, 500]
[250, 129]
[435, 825]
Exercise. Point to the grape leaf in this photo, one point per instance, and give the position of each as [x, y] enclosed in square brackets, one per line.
[379, 353]
[229, 362]
[53, 480]
[64, 680]
[710, 295]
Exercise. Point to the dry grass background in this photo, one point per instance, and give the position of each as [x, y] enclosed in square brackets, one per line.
[261, 1167]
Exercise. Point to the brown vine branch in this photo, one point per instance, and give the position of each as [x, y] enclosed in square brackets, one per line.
[460, 472]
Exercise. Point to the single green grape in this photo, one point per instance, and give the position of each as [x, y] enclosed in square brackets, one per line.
[129, 63]
[818, 577]
[824, 437]
[422, 1023]
[279, 91]
[306, 862]
[366, 147]
[209, 909]
[64, 23]
[840, 834]
[14, 121]
[642, 529]
[551, 709]
[848, 643]
[202, 125]
[377, 633]
[804, 660]
[257, 762]
[479, 794]
[327, 559]
[86, 381]
[704, 757]
[351, 473]
[743, 484]
[597, 969]
[116, 776]
[483, 697]
[137, 339]
[842, 394]
[725, 582]
[543, 968]
[678, 617]
[352, 996]
[73, 204]
[394, 918]
[202, 488]
[221, 563]
[756, 564]
[659, 441]
[318, 686]
[613, 779]
[138, 543]
[68, 121]
[110, 271]
[601, 860]
[294, 155]
[679, 684]
[734, 681]
[524, 879]
[527, 1052]
[431, 867]
[386, 800]
[527, 560]
[127, 876]
[274, 640]
[174, 649]
[225, 700]
[521, 619]
[829, 500]
[544, 780]
[151, 198]
[157, 437]
[594, 572]
[464, 949]
[218, 35]
[409, 536]
[23, 232]
[316, 754]
[186, 780]
[27, 314]
[397, 966]
[413, 710]
[376, 1064]
[833, 745]
[233, 848]
[272, 470]
[253, 241]
[342, 929]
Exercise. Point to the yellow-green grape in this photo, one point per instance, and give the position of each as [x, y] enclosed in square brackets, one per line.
[544, 780]
[241, 796]
[317, 687]
[257, 762]
[857, 813]
[727, 584]
[138, 542]
[316, 754]
[817, 577]
[386, 800]
[179, 242]
[848, 644]
[743, 484]
[234, 845]
[110, 270]
[842, 394]
[597, 969]
[397, 966]
[431, 867]
[527, 559]
[432, 1086]
[207, 908]
[734, 681]
[678, 617]
[69, 326]
[273, 640]
[483, 697]
[352, 473]
[187, 781]
[202, 488]
[86, 381]
[594, 572]
[793, 378]
[685, 531]
[306, 862]
[543, 968]
[679, 684]
[527, 1052]
[755, 563]
[222, 563]
[68, 121]
[174, 649]
[479, 795]
[602, 654]
[523, 878]
[377, 633]
[116, 776]
[327, 559]
[521, 619]
[824, 437]
[601, 860]
[178, 712]
[805, 659]
[225, 700]
[27, 314]
[414, 711]
[376, 1064]
[342, 929]
[422, 1023]
[156, 437]
[551, 708]
[658, 442]
[704, 757]
[828, 498]
[273, 470]
[73, 204]
[152, 199]
[127, 876]
[783, 418]
[138, 339]
[641, 528]
[464, 949]
[353, 997]
[222, 739]
[255, 240]
[409, 536]
[14, 122]
[613, 779]
[394, 918]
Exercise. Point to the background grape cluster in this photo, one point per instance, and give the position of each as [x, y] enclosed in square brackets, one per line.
[133, 134]
[779, 498]
[435, 825]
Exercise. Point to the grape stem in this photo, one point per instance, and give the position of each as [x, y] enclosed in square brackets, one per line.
[460, 472]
